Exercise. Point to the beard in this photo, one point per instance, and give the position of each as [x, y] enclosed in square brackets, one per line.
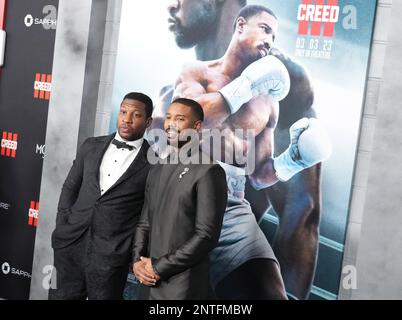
[201, 24]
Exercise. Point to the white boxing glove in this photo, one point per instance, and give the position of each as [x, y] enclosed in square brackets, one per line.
[267, 75]
[309, 145]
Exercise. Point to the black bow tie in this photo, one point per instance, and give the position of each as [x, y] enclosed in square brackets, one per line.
[123, 145]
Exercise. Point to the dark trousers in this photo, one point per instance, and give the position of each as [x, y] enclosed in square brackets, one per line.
[82, 274]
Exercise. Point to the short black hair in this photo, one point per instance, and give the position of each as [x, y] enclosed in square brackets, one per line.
[194, 105]
[251, 11]
[149, 105]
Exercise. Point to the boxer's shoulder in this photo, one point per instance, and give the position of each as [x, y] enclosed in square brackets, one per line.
[294, 67]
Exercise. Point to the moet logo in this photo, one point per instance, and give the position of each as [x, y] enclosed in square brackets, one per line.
[40, 149]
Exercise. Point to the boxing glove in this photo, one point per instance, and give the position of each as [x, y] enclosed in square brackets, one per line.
[267, 75]
[309, 145]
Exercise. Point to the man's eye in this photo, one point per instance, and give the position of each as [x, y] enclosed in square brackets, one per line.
[266, 29]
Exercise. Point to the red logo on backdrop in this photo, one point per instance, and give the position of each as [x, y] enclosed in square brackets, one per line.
[33, 213]
[9, 144]
[42, 86]
[315, 16]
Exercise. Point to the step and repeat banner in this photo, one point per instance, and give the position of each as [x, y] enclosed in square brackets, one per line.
[327, 42]
[25, 90]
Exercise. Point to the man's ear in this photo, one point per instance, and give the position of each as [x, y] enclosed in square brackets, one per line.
[240, 22]
[149, 122]
[198, 125]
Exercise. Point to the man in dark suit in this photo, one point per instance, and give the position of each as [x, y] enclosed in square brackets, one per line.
[99, 207]
[182, 216]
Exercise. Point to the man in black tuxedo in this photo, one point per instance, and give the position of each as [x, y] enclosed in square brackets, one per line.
[99, 206]
[183, 212]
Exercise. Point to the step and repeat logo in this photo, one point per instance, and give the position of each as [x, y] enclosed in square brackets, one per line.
[40, 150]
[33, 213]
[9, 270]
[23, 138]
[42, 86]
[9, 144]
[48, 21]
[4, 206]
[5, 268]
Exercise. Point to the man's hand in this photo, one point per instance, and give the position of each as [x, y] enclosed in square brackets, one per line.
[143, 274]
[149, 268]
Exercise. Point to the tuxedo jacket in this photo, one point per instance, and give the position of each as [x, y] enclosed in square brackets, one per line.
[111, 217]
[180, 224]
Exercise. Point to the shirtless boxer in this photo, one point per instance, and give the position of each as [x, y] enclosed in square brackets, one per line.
[242, 90]
[208, 26]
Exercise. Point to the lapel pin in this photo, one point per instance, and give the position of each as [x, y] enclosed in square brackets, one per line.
[184, 172]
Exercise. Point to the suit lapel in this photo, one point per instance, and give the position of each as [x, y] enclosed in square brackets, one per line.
[139, 162]
[98, 156]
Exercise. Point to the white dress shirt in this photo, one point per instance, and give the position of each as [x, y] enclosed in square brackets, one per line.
[116, 161]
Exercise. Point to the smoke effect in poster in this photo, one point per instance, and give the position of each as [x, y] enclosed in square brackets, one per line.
[331, 39]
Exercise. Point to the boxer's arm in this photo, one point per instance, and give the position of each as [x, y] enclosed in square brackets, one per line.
[254, 112]
[251, 119]
[192, 84]
[299, 197]
[264, 175]
[309, 145]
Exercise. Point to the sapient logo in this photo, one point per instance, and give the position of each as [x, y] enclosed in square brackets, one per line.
[7, 269]
[49, 21]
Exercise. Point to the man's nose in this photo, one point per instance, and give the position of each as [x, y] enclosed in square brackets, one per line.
[269, 41]
[173, 6]
[127, 118]
[168, 123]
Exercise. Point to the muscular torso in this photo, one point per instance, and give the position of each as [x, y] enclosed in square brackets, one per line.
[201, 81]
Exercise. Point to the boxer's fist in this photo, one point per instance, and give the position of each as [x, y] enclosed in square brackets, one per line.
[267, 75]
[309, 145]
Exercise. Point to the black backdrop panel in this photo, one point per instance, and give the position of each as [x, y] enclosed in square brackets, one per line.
[25, 89]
